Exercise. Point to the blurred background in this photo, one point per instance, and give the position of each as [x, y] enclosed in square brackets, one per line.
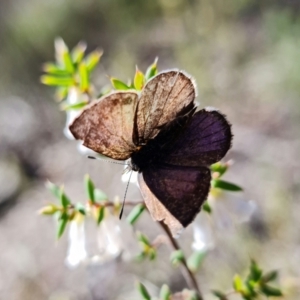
[244, 55]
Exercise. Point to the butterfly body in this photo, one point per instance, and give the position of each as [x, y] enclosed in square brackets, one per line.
[170, 145]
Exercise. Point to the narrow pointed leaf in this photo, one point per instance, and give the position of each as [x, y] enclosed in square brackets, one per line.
[54, 189]
[80, 208]
[195, 260]
[89, 188]
[118, 84]
[238, 284]
[206, 207]
[57, 81]
[67, 61]
[270, 276]
[64, 200]
[61, 93]
[165, 293]
[84, 80]
[176, 257]
[143, 291]
[101, 215]
[142, 238]
[225, 185]
[152, 70]
[270, 291]
[139, 80]
[100, 196]
[93, 59]
[135, 213]
[76, 106]
[78, 52]
[54, 69]
[62, 223]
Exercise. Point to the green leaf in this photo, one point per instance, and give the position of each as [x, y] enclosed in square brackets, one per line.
[238, 284]
[67, 61]
[255, 271]
[270, 291]
[49, 209]
[100, 196]
[152, 70]
[84, 80]
[93, 59]
[54, 69]
[101, 215]
[78, 52]
[80, 208]
[206, 207]
[139, 79]
[176, 257]
[143, 291]
[225, 185]
[89, 188]
[269, 276]
[57, 81]
[219, 168]
[219, 295]
[165, 293]
[62, 222]
[118, 84]
[195, 260]
[152, 253]
[54, 189]
[61, 93]
[142, 238]
[76, 106]
[64, 200]
[135, 213]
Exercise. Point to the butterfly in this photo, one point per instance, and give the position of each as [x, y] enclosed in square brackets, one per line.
[170, 145]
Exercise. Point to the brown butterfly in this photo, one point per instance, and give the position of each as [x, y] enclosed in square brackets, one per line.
[170, 145]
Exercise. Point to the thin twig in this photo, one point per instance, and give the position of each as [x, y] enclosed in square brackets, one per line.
[188, 275]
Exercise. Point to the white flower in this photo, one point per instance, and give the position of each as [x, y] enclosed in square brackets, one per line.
[227, 210]
[89, 243]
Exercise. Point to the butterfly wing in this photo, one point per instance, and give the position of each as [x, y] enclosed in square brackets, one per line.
[106, 126]
[180, 190]
[204, 141]
[162, 98]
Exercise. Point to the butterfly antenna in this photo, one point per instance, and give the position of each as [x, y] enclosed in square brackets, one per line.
[107, 160]
[121, 212]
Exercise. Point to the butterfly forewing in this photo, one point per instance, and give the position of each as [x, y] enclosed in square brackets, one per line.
[162, 98]
[106, 126]
[182, 190]
[204, 141]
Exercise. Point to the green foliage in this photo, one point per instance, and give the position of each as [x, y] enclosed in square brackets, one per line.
[70, 70]
[143, 291]
[135, 213]
[139, 79]
[206, 207]
[148, 250]
[225, 185]
[89, 188]
[195, 260]
[118, 84]
[176, 257]
[165, 293]
[255, 284]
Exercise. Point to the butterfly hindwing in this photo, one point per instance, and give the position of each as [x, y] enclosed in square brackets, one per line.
[106, 126]
[181, 190]
[204, 141]
[162, 98]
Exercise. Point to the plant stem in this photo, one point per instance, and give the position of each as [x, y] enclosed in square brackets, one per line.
[188, 275]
